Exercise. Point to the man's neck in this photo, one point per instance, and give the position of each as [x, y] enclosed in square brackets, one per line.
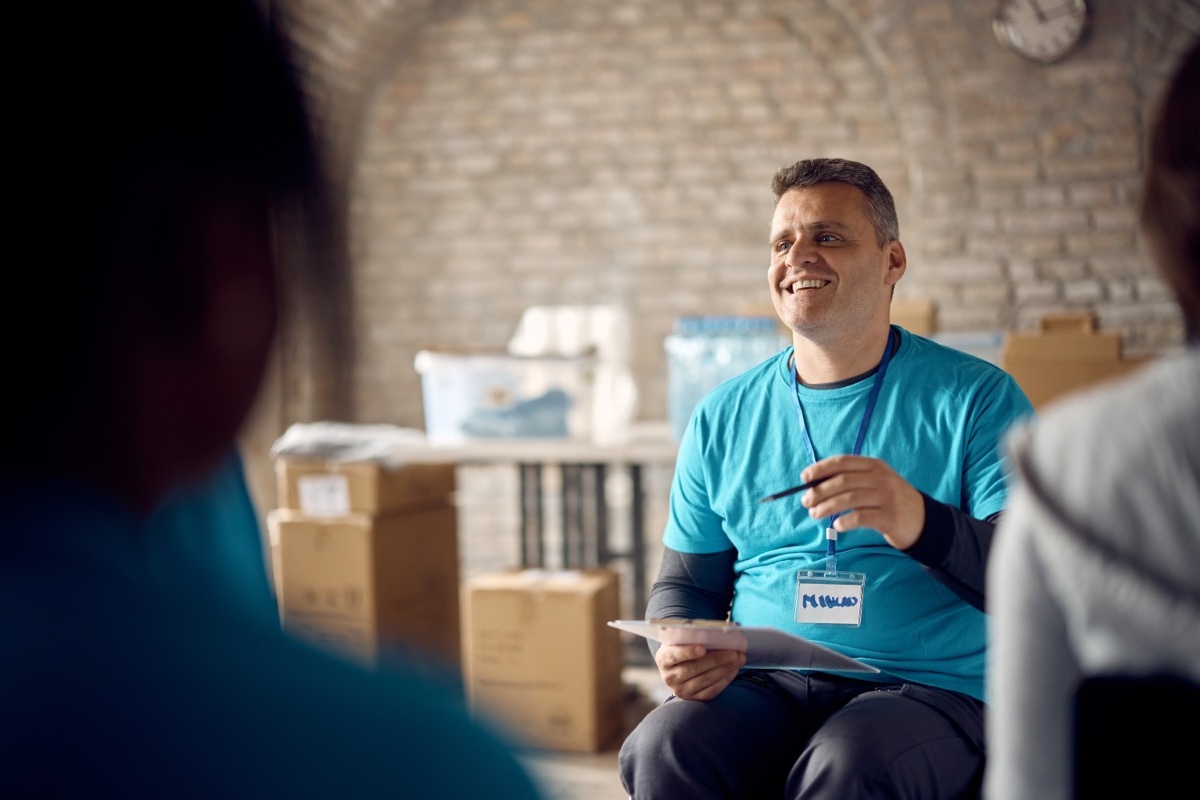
[831, 361]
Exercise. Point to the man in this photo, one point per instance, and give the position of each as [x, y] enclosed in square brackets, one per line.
[902, 434]
[154, 156]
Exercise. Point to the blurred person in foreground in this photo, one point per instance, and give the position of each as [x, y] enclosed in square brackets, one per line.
[905, 433]
[1096, 569]
[155, 155]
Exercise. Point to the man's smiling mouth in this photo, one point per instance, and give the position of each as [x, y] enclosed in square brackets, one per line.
[807, 283]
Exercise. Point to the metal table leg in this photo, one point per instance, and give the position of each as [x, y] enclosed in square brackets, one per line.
[533, 550]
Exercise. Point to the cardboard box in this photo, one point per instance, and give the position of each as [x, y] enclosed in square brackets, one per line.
[540, 658]
[1065, 354]
[323, 488]
[473, 396]
[981, 344]
[917, 316]
[371, 586]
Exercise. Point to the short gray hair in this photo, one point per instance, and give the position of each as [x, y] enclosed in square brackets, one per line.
[880, 207]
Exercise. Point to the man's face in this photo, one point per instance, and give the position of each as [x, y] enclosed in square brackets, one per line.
[828, 273]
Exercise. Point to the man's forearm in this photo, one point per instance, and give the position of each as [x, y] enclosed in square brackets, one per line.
[954, 548]
[692, 586]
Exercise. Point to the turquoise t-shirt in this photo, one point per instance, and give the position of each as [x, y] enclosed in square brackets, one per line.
[205, 537]
[939, 420]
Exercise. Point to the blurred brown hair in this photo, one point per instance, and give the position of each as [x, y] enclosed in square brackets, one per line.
[118, 118]
[1170, 206]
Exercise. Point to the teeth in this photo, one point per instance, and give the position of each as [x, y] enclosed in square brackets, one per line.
[808, 284]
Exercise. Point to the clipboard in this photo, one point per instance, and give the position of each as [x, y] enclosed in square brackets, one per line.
[765, 648]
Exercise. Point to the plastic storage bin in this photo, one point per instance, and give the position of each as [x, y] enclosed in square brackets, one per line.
[703, 352]
[495, 396]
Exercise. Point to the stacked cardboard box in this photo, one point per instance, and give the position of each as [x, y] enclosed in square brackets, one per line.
[1065, 354]
[540, 658]
[365, 558]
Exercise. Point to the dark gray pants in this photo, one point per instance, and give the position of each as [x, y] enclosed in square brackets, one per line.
[784, 734]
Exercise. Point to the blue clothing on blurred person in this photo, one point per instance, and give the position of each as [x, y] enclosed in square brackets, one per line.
[115, 662]
[212, 531]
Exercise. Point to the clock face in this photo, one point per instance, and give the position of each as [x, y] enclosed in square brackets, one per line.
[1041, 30]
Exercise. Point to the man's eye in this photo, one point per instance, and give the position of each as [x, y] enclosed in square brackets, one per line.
[782, 247]
[826, 237]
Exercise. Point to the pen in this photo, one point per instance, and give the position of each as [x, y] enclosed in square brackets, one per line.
[794, 489]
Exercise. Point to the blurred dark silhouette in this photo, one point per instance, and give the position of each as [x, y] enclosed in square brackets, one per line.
[157, 160]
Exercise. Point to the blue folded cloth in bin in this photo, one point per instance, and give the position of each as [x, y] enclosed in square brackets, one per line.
[543, 416]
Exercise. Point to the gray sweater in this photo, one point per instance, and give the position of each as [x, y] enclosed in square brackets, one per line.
[1095, 566]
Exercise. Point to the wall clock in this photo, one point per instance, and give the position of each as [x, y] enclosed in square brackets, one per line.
[1041, 30]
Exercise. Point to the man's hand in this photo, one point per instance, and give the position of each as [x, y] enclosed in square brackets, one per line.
[693, 672]
[868, 494]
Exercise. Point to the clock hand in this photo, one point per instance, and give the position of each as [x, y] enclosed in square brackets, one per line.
[1057, 12]
[1037, 10]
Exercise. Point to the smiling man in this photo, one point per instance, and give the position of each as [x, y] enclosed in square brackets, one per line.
[902, 434]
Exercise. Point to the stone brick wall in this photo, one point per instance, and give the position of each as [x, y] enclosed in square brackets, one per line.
[504, 153]
[497, 154]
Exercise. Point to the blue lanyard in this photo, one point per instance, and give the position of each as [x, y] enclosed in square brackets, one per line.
[830, 533]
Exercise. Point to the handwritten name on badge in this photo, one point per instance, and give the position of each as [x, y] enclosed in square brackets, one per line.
[826, 601]
[829, 602]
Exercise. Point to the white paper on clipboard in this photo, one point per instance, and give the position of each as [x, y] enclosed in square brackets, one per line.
[765, 648]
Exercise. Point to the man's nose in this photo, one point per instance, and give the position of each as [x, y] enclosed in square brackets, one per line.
[800, 253]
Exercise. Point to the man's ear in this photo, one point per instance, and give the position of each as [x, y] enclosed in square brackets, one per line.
[897, 263]
[202, 370]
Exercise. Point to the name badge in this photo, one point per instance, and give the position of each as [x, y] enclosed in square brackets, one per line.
[830, 598]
